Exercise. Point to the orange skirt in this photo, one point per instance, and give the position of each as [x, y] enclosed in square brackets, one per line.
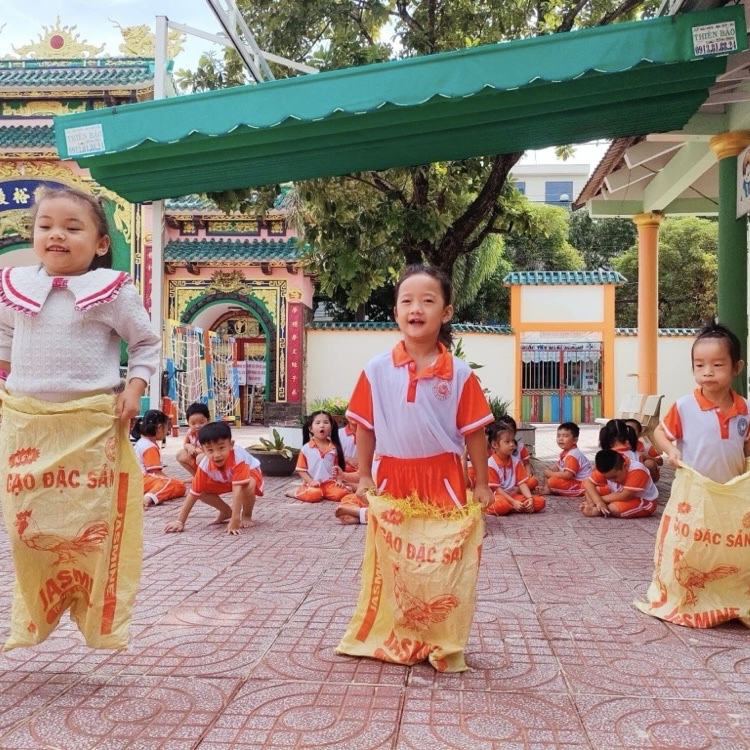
[438, 480]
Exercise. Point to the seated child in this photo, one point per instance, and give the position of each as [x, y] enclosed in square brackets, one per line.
[224, 468]
[157, 486]
[349, 477]
[507, 475]
[618, 435]
[188, 456]
[321, 452]
[619, 487]
[647, 454]
[522, 452]
[566, 476]
[353, 506]
[348, 440]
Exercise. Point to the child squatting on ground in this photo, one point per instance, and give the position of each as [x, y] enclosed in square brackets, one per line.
[225, 468]
[566, 476]
[708, 429]
[190, 454]
[157, 486]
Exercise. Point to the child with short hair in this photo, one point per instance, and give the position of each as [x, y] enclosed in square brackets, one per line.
[708, 429]
[224, 468]
[647, 454]
[189, 455]
[619, 487]
[566, 477]
[507, 475]
[320, 459]
[157, 486]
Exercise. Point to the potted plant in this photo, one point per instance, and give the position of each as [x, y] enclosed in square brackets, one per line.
[335, 406]
[276, 458]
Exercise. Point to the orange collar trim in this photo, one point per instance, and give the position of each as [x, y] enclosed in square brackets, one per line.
[739, 406]
[442, 367]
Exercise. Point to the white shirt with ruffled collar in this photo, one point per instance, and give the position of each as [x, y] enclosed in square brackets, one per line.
[61, 334]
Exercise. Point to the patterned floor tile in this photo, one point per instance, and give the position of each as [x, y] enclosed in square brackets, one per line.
[120, 714]
[506, 651]
[305, 649]
[638, 723]
[731, 664]
[445, 719]
[618, 622]
[646, 669]
[308, 715]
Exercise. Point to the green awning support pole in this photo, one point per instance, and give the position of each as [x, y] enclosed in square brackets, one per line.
[732, 282]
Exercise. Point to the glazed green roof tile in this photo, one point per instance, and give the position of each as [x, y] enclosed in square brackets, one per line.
[662, 331]
[539, 278]
[95, 73]
[27, 136]
[191, 203]
[386, 326]
[246, 250]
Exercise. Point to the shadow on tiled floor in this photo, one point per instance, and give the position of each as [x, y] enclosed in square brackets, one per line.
[232, 647]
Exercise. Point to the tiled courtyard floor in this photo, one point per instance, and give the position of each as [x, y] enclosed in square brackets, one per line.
[232, 647]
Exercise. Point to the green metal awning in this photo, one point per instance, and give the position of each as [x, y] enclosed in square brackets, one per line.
[605, 82]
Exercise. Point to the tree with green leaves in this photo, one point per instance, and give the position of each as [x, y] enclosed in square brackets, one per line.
[600, 241]
[364, 227]
[687, 275]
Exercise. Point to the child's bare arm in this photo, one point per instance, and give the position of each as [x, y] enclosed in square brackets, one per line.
[234, 527]
[593, 496]
[476, 444]
[187, 506]
[665, 445]
[365, 454]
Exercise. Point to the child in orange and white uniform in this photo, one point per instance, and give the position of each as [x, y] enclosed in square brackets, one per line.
[421, 403]
[709, 429]
[157, 486]
[618, 435]
[647, 454]
[619, 487]
[522, 452]
[349, 477]
[507, 475]
[320, 459]
[224, 468]
[190, 454]
[566, 476]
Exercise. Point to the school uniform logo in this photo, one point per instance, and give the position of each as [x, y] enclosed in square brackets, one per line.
[742, 426]
[442, 390]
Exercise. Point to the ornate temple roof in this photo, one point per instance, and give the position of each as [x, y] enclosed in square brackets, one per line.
[28, 79]
[27, 137]
[537, 278]
[202, 251]
[389, 326]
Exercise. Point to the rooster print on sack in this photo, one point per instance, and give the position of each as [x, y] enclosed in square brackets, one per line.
[89, 538]
[418, 614]
[691, 578]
